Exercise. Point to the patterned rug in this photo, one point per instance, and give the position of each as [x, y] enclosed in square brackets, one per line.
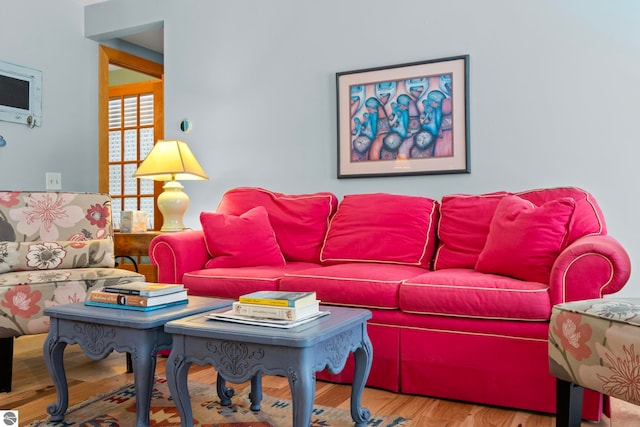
[118, 409]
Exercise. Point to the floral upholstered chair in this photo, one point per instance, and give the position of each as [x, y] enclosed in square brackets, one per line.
[594, 344]
[55, 248]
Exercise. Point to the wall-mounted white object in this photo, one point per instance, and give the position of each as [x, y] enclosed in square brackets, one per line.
[20, 94]
[53, 181]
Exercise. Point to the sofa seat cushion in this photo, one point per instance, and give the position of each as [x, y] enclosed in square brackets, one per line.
[385, 228]
[299, 221]
[25, 294]
[233, 282]
[468, 293]
[372, 285]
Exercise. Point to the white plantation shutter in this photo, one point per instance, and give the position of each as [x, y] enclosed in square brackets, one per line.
[131, 138]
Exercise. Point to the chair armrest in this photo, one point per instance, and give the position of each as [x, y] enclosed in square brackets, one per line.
[175, 254]
[589, 268]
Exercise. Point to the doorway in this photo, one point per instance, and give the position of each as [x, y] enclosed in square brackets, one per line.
[123, 143]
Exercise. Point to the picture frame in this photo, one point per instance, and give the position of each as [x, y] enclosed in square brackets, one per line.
[407, 119]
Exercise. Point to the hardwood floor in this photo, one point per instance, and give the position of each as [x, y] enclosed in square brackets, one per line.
[33, 390]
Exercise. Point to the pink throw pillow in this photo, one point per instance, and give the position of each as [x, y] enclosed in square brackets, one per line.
[247, 240]
[381, 227]
[524, 240]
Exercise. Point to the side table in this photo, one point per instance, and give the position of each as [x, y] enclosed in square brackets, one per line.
[243, 352]
[100, 330]
[134, 245]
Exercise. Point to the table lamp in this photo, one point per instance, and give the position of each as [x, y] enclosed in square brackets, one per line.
[169, 161]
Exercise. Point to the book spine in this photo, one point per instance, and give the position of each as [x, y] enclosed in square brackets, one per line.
[274, 312]
[133, 307]
[118, 298]
[264, 301]
[121, 291]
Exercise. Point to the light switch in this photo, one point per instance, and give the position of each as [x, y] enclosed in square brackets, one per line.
[53, 181]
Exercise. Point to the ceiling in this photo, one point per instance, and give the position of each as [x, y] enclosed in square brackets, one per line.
[152, 39]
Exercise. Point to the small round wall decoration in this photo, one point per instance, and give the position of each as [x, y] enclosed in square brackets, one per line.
[186, 125]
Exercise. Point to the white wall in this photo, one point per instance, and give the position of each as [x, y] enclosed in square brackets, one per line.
[553, 90]
[48, 36]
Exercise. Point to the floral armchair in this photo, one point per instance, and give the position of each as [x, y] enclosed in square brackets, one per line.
[55, 247]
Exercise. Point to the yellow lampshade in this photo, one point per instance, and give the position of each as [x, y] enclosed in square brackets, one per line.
[170, 160]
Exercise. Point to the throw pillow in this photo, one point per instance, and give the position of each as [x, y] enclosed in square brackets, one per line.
[240, 241]
[382, 228]
[524, 240]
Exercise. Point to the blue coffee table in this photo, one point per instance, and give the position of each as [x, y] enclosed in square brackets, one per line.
[100, 330]
[244, 352]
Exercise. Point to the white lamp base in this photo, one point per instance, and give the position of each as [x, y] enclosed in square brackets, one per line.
[173, 203]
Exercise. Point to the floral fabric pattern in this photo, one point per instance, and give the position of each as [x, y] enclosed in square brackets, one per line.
[21, 301]
[596, 344]
[55, 248]
[573, 334]
[25, 294]
[45, 256]
[56, 255]
[44, 213]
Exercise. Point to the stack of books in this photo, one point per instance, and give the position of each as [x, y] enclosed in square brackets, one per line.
[273, 308]
[141, 296]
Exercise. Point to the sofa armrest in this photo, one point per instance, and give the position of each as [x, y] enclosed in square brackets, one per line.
[589, 268]
[177, 253]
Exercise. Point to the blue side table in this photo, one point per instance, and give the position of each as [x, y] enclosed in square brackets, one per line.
[100, 330]
[244, 352]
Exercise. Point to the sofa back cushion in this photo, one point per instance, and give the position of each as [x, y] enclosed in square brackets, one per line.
[73, 228]
[299, 221]
[385, 228]
[587, 219]
[465, 219]
[463, 228]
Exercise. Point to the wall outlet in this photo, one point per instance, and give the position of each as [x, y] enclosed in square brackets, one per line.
[53, 181]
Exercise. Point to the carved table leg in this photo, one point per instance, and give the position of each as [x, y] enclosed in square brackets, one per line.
[362, 357]
[255, 396]
[224, 393]
[177, 369]
[144, 367]
[302, 382]
[53, 351]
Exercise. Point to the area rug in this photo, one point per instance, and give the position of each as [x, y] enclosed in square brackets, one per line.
[118, 409]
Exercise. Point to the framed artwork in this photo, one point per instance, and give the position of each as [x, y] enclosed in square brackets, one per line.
[409, 119]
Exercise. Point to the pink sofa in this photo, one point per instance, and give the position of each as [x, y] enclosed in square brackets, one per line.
[461, 289]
